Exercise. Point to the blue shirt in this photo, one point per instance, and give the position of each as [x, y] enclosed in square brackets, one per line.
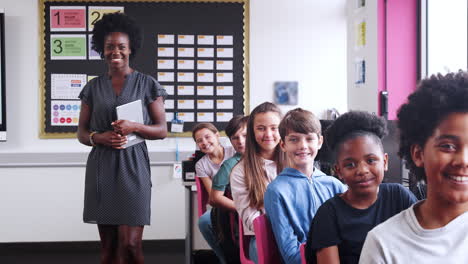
[291, 201]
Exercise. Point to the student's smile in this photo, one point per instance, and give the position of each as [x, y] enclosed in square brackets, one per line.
[301, 150]
[445, 159]
[361, 164]
[266, 130]
[206, 140]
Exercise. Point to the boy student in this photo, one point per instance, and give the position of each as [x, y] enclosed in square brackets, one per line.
[434, 141]
[220, 195]
[292, 199]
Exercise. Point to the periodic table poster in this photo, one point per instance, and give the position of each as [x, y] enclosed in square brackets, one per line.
[197, 50]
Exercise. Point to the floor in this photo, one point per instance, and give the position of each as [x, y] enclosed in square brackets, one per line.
[171, 252]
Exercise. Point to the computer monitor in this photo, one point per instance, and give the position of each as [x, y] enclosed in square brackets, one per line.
[2, 78]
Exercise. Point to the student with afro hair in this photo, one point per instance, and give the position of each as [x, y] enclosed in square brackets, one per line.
[118, 178]
[434, 142]
[341, 224]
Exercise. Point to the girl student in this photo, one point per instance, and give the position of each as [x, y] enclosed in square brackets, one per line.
[262, 161]
[341, 224]
[434, 141]
[206, 137]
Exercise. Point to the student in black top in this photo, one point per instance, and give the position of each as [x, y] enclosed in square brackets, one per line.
[340, 226]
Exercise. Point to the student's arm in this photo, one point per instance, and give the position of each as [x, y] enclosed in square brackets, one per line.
[207, 183]
[328, 255]
[201, 174]
[324, 232]
[217, 199]
[278, 214]
[240, 194]
[219, 183]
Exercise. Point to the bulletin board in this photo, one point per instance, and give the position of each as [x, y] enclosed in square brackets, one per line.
[197, 50]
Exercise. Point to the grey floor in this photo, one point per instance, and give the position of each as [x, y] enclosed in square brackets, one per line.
[171, 252]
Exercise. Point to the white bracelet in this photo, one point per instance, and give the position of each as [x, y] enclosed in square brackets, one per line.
[91, 138]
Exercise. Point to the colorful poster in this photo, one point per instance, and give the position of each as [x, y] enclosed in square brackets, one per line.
[95, 13]
[67, 86]
[65, 113]
[67, 47]
[67, 18]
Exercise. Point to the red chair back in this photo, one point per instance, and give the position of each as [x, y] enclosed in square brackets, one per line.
[202, 197]
[244, 245]
[267, 249]
[303, 255]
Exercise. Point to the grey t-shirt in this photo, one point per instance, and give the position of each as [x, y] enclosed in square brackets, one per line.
[207, 168]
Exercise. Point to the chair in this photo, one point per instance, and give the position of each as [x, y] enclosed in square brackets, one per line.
[267, 249]
[243, 244]
[303, 255]
[202, 197]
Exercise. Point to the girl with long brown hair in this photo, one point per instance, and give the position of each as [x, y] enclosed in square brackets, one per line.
[262, 161]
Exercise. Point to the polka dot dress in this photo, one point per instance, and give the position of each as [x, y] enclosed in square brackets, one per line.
[118, 182]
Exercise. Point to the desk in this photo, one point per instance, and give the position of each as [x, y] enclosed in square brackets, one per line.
[193, 238]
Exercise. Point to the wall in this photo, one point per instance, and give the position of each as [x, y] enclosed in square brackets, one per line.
[297, 40]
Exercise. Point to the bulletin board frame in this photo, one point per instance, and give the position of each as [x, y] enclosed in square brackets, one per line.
[44, 59]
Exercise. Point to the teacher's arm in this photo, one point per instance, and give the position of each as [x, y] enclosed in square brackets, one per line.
[158, 130]
[108, 138]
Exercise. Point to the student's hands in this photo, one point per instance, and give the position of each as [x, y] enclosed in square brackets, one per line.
[124, 127]
[110, 139]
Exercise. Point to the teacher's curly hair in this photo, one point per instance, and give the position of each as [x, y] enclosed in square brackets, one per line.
[116, 22]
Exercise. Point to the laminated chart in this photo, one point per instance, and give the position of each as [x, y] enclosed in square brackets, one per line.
[197, 65]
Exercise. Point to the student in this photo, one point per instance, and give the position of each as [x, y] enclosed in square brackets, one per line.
[341, 224]
[260, 164]
[206, 137]
[434, 142]
[292, 199]
[224, 211]
[236, 130]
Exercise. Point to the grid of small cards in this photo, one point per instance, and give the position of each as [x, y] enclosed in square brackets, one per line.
[197, 73]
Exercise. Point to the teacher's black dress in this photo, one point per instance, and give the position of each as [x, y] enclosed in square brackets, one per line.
[118, 181]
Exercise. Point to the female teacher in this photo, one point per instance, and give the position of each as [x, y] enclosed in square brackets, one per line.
[118, 179]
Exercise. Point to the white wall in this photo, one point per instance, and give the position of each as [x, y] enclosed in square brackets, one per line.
[296, 40]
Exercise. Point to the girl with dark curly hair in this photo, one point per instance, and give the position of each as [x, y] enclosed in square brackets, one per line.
[341, 224]
[434, 142]
[118, 178]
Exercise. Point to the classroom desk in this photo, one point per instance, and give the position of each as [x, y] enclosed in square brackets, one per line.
[193, 238]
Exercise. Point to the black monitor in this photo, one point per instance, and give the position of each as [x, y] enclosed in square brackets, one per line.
[2, 78]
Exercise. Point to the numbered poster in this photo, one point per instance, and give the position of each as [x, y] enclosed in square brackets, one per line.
[95, 13]
[68, 18]
[67, 47]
